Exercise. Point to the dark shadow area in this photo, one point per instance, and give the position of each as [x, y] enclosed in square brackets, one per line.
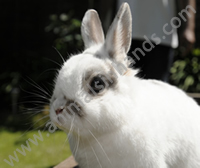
[30, 32]
[23, 122]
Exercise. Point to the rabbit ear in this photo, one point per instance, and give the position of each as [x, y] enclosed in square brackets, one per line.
[91, 29]
[119, 35]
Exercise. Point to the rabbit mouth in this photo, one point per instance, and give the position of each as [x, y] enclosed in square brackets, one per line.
[64, 109]
[71, 107]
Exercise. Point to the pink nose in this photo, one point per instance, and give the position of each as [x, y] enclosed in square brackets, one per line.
[58, 111]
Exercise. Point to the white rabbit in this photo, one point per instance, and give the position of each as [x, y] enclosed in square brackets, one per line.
[115, 119]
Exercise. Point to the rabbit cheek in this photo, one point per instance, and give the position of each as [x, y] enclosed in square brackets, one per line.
[74, 107]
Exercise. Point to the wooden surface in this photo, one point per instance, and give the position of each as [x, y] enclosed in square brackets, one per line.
[195, 96]
[68, 163]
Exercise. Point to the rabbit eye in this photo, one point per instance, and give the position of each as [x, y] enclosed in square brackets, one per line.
[97, 84]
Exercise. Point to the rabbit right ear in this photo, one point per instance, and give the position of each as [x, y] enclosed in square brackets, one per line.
[119, 35]
[91, 29]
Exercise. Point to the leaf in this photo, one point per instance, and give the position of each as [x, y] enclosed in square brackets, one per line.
[196, 52]
[188, 82]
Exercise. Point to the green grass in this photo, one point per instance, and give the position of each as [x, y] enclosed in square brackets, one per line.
[48, 153]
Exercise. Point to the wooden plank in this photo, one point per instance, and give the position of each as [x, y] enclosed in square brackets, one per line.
[68, 163]
[194, 95]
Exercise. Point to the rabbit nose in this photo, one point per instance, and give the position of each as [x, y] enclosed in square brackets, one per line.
[59, 110]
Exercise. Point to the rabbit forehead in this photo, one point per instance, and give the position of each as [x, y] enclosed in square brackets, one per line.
[78, 65]
[74, 71]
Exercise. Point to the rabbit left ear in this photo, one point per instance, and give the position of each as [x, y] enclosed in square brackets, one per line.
[91, 29]
[119, 35]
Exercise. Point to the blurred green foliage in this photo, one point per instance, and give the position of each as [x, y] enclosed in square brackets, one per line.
[67, 30]
[186, 72]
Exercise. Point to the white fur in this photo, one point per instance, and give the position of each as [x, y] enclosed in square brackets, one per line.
[139, 124]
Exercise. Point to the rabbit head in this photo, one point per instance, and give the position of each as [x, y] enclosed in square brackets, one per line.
[89, 85]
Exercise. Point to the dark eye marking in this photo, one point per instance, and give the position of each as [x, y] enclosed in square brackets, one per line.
[97, 81]
[98, 84]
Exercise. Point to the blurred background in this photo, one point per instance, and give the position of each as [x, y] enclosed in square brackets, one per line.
[33, 34]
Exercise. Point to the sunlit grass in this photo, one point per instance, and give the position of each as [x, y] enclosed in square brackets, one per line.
[49, 152]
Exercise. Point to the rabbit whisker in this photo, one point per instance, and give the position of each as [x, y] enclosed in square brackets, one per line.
[34, 84]
[52, 85]
[90, 123]
[64, 144]
[32, 111]
[100, 146]
[57, 63]
[70, 131]
[33, 125]
[59, 54]
[38, 120]
[45, 128]
[47, 89]
[30, 115]
[48, 70]
[36, 101]
[71, 125]
[78, 137]
[95, 155]
[75, 146]
[29, 111]
[37, 93]
[86, 157]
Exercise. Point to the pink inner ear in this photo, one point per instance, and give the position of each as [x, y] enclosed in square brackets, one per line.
[118, 38]
[91, 29]
[114, 41]
[96, 28]
[126, 35]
